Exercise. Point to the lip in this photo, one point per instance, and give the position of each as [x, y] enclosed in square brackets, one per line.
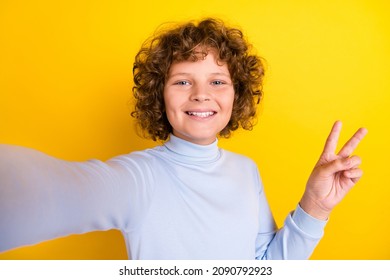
[200, 114]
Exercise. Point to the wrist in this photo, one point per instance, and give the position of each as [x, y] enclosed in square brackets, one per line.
[314, 209]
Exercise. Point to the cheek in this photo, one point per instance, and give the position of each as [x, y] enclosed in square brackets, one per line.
[170, 108]
[167, 101]
[229, 102]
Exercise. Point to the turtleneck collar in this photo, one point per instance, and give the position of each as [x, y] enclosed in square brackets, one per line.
[194, 151]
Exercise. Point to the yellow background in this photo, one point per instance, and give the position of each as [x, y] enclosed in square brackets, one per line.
[65, 87]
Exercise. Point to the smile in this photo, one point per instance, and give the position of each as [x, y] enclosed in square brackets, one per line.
[201, 114]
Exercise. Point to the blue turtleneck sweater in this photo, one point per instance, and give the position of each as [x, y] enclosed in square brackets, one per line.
[175, 201]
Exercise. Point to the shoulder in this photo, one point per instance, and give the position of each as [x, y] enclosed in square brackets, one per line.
[245, 167]
[143, 157]
[239, 159]
[139, 165]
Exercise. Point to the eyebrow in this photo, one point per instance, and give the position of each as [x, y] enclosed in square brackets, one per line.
[189, 74]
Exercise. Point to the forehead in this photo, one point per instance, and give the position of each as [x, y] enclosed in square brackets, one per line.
[204, 63]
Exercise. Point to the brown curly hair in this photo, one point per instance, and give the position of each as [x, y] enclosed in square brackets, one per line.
[153, 61]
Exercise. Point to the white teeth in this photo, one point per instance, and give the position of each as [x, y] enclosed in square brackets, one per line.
[201, 114]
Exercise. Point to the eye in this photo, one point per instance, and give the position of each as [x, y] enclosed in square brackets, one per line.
[182, 83]
[218, 82]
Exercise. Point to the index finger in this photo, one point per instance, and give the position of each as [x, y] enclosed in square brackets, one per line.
[352, 143]
[333, 138]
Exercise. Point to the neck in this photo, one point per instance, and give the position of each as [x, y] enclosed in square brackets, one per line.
[191, 150]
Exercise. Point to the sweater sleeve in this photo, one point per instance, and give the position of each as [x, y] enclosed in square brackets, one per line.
[297, 239]
[42, 197]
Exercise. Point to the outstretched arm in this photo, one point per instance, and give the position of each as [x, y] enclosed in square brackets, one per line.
[42, 197]
[333, 175]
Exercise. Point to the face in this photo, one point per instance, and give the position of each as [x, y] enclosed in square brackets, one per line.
[199, 99]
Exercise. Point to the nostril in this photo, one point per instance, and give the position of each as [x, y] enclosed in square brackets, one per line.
[198, 99]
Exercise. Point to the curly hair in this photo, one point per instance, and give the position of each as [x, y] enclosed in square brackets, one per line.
[153, 61]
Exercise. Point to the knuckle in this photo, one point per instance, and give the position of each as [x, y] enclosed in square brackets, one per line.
[356, 160]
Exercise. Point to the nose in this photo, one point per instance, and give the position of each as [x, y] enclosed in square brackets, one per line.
[200, 94]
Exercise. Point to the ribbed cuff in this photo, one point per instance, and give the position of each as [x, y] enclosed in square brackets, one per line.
[307, 223]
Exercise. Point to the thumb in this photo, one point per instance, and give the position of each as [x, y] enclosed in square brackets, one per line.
[335, 166]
